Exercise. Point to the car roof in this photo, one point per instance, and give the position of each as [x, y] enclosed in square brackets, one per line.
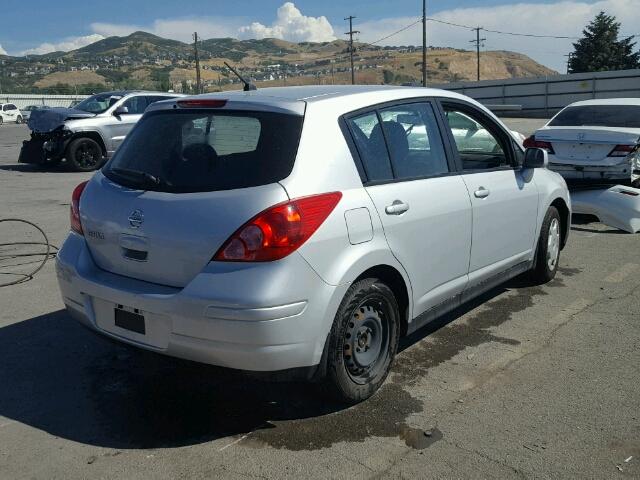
[317, 93]
[607, 101]
[339, 98]
[122, 93]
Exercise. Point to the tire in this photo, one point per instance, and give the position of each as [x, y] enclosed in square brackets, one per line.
[19, 120]
[84, 155]
[548, 252]
[363, 341]
[1, 121]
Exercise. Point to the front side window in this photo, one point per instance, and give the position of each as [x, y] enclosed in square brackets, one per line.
[414, 141]
[11, 107]
[136, 105]
[479, 143]
[182, 151]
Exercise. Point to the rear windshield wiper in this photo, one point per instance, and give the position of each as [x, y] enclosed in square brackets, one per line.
[127, 172]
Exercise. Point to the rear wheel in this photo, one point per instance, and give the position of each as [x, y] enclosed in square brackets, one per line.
[363, 341]
[19, 119]
[1, 121]
[548, 253]
[84, 154]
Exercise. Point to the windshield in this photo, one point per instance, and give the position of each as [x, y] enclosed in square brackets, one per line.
[98, 103]
[204, 151]
[620, 116]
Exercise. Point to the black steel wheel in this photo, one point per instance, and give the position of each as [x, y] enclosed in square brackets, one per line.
[363, 341]
[84, 154]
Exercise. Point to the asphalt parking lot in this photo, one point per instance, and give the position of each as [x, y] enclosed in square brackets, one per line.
[526, 382]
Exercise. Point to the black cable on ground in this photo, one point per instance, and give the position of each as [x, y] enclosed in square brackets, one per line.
[24, 277]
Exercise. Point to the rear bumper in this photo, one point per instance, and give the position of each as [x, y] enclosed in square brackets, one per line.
[255, 325]
[618, 172]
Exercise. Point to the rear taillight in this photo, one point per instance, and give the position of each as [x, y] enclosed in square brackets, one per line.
[531, 142]
[278, 231]
[621, 150]
[202, 103]
[74, 213]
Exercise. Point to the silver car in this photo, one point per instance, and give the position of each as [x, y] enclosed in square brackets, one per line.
[87, 134]
[305, 229]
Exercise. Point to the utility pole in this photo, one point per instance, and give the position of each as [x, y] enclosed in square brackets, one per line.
[478, 41]
[350, 33]
[195, 49]
[424, 43]
[569, 56]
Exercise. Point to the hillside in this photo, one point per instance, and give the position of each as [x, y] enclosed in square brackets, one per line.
[143, 60]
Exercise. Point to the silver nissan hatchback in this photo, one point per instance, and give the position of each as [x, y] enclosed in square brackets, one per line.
[304, 230]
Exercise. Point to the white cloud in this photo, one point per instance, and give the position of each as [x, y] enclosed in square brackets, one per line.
[566, 18]
[177, 29]
[67, 44]
[3, 51]
[291, 25]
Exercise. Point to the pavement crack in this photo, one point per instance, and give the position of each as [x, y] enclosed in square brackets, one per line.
[489, 458]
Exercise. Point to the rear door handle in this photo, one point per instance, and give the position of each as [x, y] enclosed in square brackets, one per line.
[396, 208]
[482, 192]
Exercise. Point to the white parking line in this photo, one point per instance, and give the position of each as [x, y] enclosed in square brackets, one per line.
[622, 273]
[237, 440]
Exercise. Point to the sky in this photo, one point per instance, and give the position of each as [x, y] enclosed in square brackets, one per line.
[42, 26]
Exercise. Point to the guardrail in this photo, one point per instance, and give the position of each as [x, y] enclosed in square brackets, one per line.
[545, 96]
[22, 100]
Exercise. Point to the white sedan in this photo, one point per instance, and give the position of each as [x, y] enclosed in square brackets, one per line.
[592, 140]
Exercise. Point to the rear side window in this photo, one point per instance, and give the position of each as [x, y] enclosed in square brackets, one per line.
[185, 151]
[414, 141]
[371, 146]
[620, 116]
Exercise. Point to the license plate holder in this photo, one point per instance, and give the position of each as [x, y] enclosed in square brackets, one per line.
[131, 321]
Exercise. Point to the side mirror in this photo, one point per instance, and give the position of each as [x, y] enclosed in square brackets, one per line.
[535, 158]
[121, 110]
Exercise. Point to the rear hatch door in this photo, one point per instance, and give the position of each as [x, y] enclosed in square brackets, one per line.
[181, 184]
[161, 237]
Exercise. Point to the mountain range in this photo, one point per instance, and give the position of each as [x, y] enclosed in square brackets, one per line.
[144, 60]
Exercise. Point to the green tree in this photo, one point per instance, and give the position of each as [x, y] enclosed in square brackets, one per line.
[600, 50]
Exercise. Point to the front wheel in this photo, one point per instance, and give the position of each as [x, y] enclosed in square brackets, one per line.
[84, 154]
[548, 252]
[363, 341]
[19, 120]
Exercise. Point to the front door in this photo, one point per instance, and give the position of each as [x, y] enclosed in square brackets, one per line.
[505, 202]
[120, 125]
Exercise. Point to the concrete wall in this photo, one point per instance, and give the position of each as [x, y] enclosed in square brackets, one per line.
[24, 100]
[545, 96]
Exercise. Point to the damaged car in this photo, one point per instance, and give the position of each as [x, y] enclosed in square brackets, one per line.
[592, 141]
[87, 134]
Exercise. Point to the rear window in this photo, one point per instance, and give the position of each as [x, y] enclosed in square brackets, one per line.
[186, 151]
[620, 116]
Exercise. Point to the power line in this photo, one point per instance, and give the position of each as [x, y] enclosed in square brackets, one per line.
[406, 27]
[500, 32]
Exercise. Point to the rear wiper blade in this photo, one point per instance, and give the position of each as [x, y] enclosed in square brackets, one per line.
[137, 173]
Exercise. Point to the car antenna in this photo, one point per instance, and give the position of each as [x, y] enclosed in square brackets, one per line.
[247, 85]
